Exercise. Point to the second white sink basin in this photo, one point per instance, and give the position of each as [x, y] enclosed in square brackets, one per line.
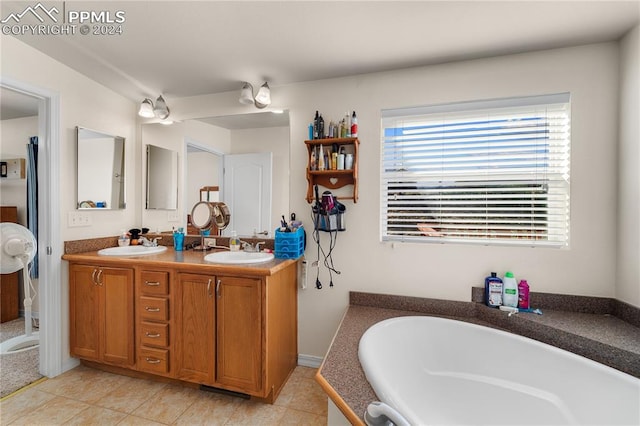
[238, 257]
[131, 251]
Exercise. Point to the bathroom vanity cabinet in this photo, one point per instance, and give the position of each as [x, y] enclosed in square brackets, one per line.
[239, 341]
[101, 313]
[152, 307]
[195, 323]
[222, 316]
[229, 327]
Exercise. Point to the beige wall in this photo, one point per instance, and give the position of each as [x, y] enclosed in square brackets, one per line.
[588, 267]
[85, 103]
[628, 278]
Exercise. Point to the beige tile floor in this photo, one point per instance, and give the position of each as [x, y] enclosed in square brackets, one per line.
[85, 396]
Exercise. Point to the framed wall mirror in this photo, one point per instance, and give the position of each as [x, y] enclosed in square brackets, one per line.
[101, 171]
[162, 178]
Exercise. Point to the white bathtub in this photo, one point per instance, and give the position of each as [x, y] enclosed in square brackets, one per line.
[445, 372]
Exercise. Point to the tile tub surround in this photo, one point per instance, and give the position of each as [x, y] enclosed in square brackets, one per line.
[600, 336]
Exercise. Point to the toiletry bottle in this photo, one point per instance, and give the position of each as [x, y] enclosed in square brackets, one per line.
[315, 125]
[321, 127]
[321, 163]
[123, 239]
[354, 125]
[523, 295]
[310, 131]
[347, 124]
[493, 290]
[509, 290]
[178, 239]
[234, 242]
[312, 164]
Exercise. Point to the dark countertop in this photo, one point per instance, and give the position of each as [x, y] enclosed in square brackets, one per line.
[600, 336]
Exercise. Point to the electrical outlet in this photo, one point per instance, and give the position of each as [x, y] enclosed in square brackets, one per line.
[79, 218]
[209, 242]
[173, 216]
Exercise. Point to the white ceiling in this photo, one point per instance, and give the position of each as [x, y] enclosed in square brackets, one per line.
[187, 48]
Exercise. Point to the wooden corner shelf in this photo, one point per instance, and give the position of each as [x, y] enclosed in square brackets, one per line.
[333, 178]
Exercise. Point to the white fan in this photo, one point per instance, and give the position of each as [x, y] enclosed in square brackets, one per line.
[17, 249]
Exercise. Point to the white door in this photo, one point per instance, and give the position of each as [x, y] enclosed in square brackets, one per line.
[247, 192]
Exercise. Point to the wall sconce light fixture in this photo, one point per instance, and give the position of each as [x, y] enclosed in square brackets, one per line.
[148, 110]
[262, 98]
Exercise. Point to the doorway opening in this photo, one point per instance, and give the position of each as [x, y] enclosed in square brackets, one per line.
[49, 241]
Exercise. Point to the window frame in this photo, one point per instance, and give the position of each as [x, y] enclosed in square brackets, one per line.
[419, 169]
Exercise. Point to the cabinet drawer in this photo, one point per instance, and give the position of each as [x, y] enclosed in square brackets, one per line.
[154, 334]
[153, 360]
[154, 308]
[155, 282]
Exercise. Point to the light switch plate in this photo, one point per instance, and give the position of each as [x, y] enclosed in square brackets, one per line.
[173, 216]
[79, 218]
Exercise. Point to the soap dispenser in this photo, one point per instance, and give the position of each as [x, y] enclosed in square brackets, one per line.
[123, 239]
[234, 242]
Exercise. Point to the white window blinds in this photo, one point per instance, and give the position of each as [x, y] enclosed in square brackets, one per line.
[487, 172]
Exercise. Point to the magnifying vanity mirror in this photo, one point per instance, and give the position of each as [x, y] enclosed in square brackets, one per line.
[100, 177]
[206, 215]
[162, 178]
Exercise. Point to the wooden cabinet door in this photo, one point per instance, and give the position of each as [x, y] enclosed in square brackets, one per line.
[117, 328]
[195, 322]
[239, 333]
[84, 311]
[101, 314]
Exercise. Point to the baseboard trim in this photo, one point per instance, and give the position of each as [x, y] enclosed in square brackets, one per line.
[309, 361]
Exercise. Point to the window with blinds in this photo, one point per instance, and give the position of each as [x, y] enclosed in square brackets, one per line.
[489, 172]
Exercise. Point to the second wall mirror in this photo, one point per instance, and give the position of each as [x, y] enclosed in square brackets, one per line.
[162, 178]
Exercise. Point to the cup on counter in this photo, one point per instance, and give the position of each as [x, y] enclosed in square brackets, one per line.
[178, 241]
[348, 161]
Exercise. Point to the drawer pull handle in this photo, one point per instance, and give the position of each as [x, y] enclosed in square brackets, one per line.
[152, 283]
[154, 335]
[153, 360]
[151, 309]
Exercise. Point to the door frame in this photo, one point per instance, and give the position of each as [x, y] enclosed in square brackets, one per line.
[49, 240]
[189, 142]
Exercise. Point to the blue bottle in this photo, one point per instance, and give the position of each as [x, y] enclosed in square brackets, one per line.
[178, 240]
[493, 290]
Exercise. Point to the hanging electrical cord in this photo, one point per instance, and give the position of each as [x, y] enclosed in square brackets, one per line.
[316, 238]
[327, 258]
[322, 215]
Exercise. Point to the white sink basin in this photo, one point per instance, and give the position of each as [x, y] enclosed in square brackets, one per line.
[238, 257]
[131, 251]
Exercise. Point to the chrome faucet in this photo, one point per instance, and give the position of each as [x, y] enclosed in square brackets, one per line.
[145, 242]
[248, 247]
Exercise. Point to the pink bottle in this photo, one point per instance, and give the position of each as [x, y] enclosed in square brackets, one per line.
[523, 294]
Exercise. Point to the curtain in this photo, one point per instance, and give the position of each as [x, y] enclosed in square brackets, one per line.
[32, 195]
